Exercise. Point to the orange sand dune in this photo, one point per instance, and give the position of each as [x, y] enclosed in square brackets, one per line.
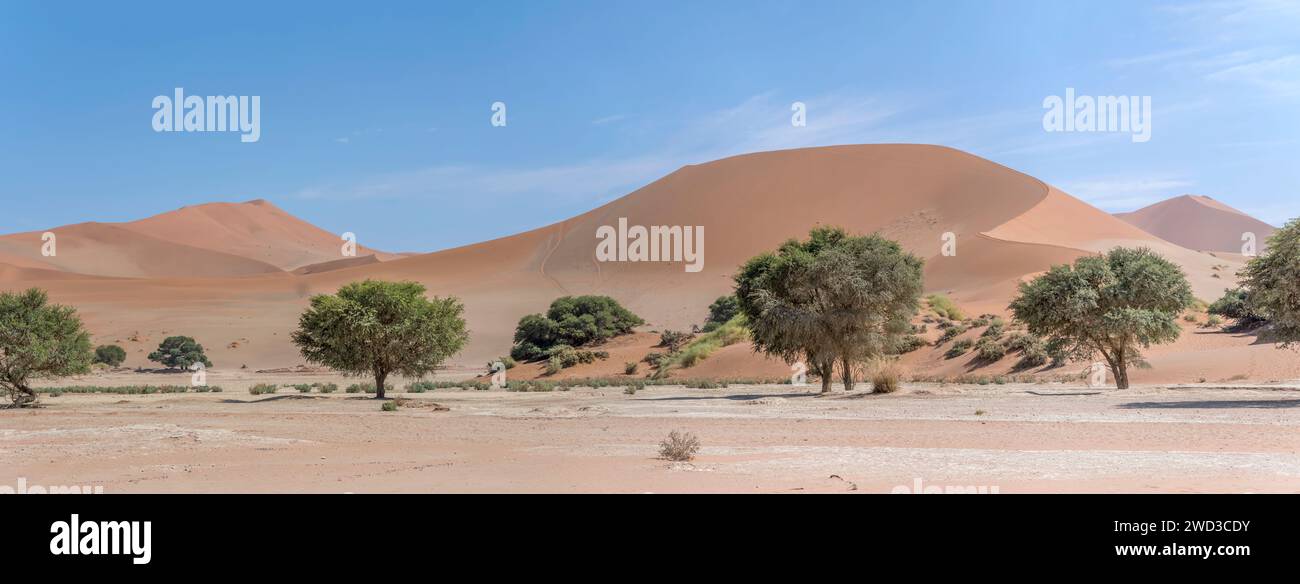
[1200, 223]
[1008, 227]
[103, 249]
[256, 230]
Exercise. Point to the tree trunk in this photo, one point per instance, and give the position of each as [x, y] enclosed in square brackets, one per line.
[847, 374]
[380, 376]
[1121, 374]
[24, 396]
[826, 369]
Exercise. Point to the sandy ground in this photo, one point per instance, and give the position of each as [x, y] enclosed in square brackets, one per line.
[769, 439]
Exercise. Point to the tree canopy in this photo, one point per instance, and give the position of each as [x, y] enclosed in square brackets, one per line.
[1112, 305]
[1272, 283]
[180, 352]
[111, 355]
[833, 298]
[381, 328]
[38, 340]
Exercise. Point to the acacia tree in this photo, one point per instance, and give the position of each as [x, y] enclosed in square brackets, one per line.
[381, 328]
[1111, 305]
[180, 352]
[1272, 284]
[38, 340]
[833, 298]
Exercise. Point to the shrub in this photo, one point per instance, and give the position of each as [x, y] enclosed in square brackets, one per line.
[989, 349]
[679, 446]
[996, 328]
[1235, 304]
[554, 365]
[303, 387]
[885, 376]
[389, 406]
[354, 388]
[1213, 321]
[944, 306]
[959, 348]
[673, 340]
[629, 368]
[908, 344]
[262, 388]
[329, 388]
[111, 355]
[575, 321]
[722, 310]
[952, 332]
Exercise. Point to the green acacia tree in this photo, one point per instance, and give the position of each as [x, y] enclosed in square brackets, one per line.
[1112, 305]
[1272, 284]
[381, 328]
[834, 298]
[38, 340]
[179, 352]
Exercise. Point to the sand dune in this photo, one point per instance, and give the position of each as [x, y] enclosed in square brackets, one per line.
[256, 230]
[1008, 227]
[1199, 223]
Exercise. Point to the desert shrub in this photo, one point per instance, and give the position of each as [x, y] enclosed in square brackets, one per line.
[111, 355]
[329, 388]
[354, 388]
[722, 310]
[679, 446]
[629, 368]
[302, 387]
[367, 387]
[1189, 317]
[423, 386]
[262, 388]
[1213, 321]
[673, 340]
[952, 332]
[989, 349]
[885, 376]
[1235, 304]
[908, 344]
[389, 406]
[996, 327]
[575, 321]
[959, 348]
[944, 306]
[554, 365]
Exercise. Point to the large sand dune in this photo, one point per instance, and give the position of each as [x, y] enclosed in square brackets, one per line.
[1009, 226]
[1199, 223]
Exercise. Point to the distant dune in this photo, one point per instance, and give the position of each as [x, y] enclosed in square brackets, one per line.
[1008, 227]
[1198, 222]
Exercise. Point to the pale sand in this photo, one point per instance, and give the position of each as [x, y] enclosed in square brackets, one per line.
[772, 439]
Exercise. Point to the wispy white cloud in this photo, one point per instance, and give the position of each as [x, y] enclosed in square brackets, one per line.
[1277, 76]
[1116, 194]
[609, 119]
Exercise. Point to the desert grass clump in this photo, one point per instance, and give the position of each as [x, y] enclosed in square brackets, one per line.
[885, 376]
[389, 406]
[679, 446]
[329, 387]
[944, 306]
[629, 368]
[952, 332]
[302, 387]
[263, 388]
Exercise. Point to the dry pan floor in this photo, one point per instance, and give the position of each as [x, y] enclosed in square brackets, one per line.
[769, 439]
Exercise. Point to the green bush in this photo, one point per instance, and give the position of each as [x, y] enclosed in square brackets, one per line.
[262, 388]
[303, 387]
[329, 388]
[111, 355]
[722, 310]
[629, 368]
[389, 406]
[952, 332]
[575, 321]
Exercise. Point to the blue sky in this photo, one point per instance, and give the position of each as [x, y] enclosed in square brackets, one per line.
[375, 116]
